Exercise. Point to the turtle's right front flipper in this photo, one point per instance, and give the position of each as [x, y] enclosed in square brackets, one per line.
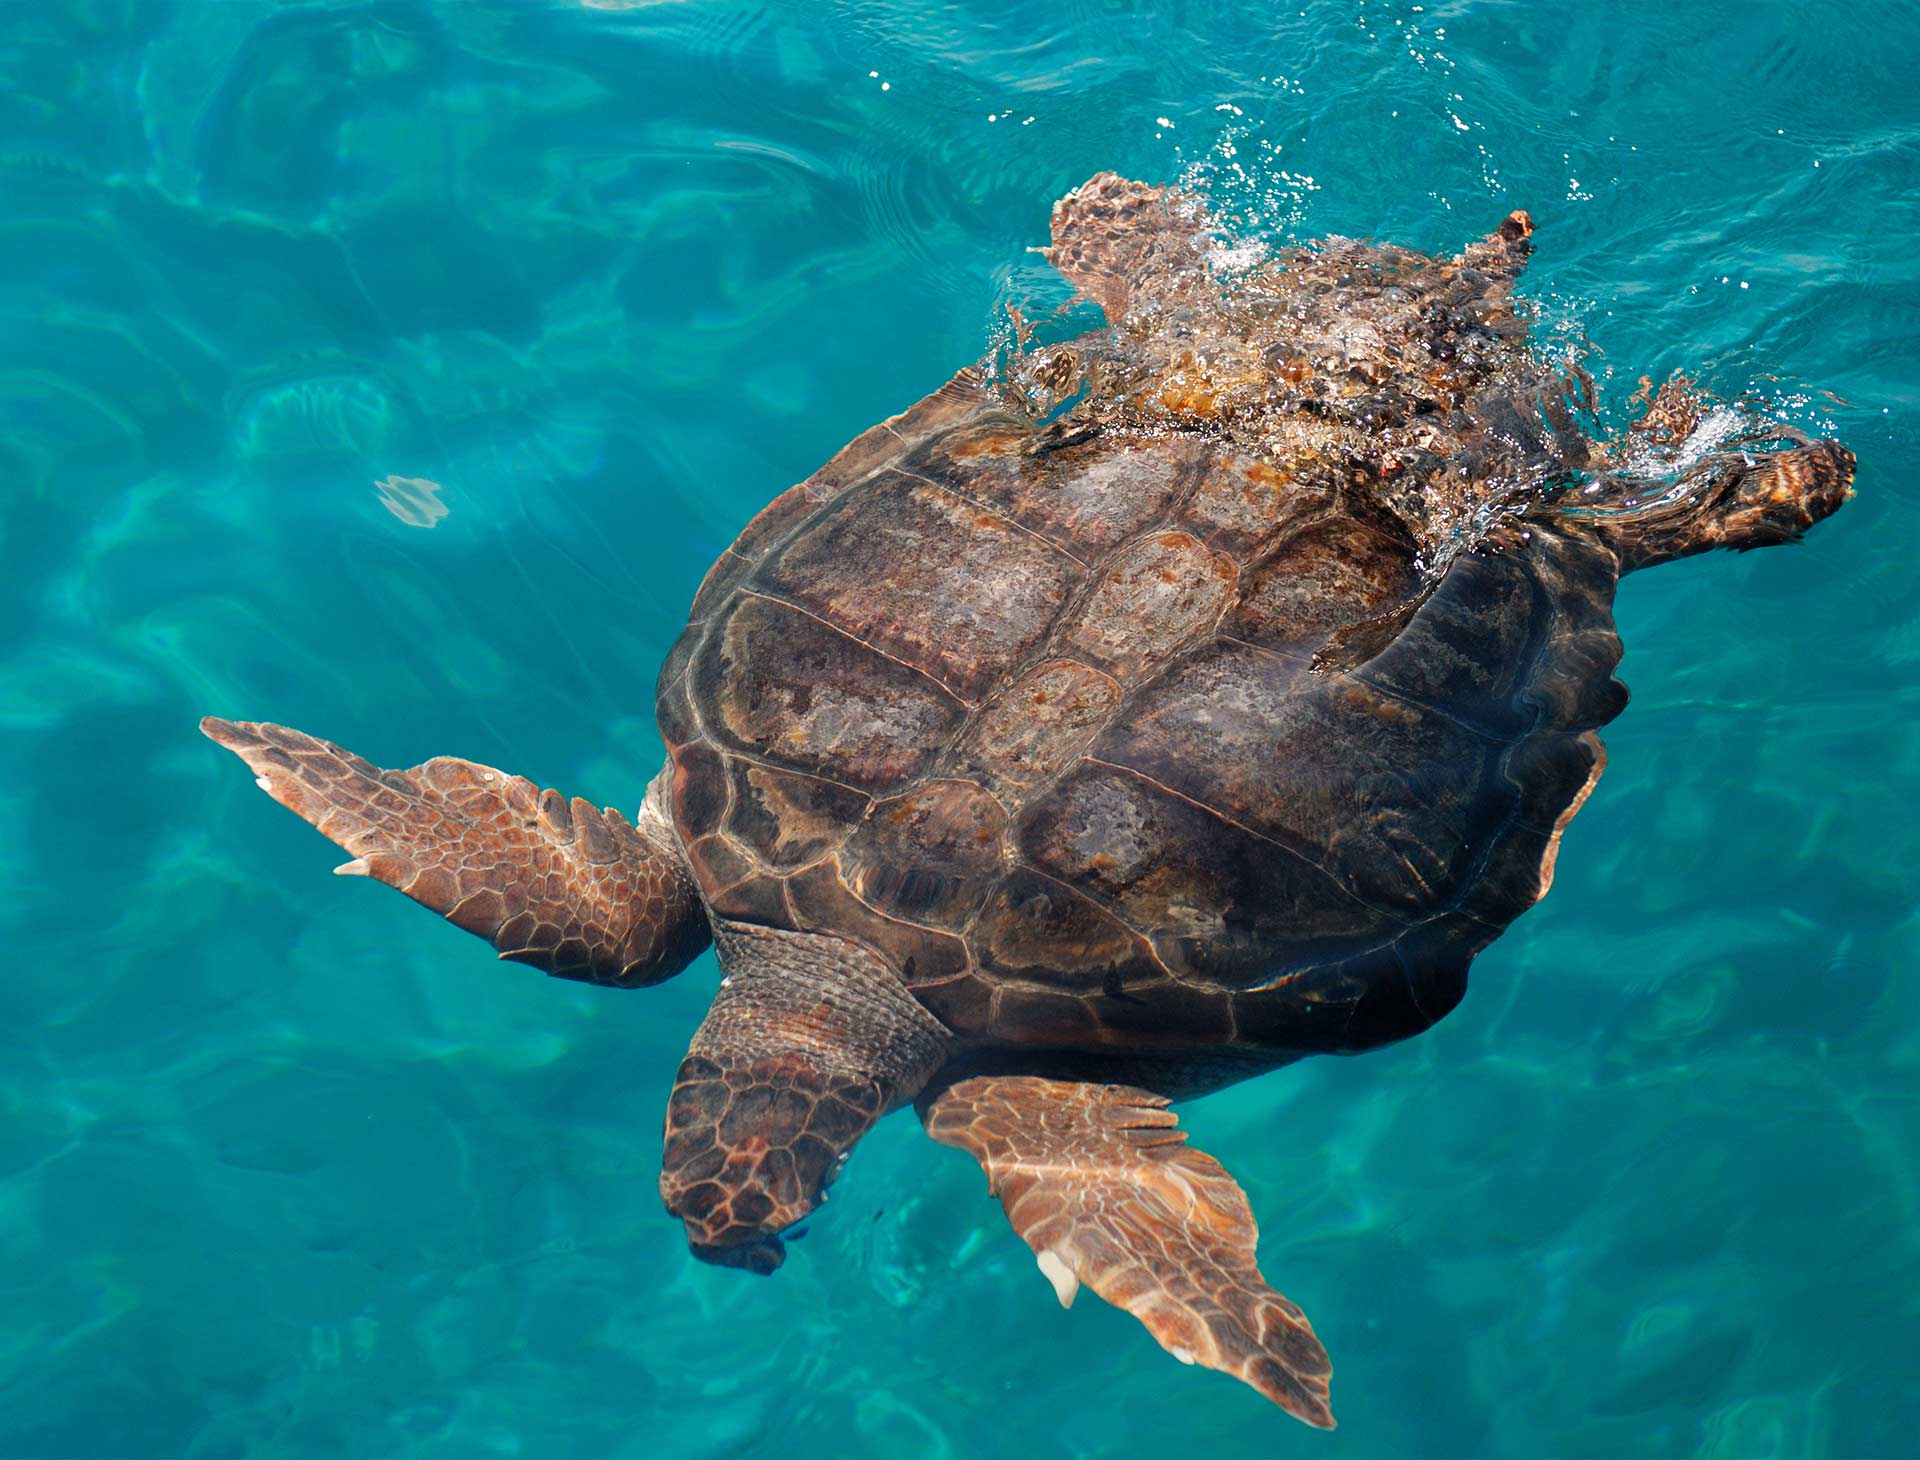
[567, 888]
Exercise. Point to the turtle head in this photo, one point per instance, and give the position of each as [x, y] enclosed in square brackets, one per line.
[1291, 352]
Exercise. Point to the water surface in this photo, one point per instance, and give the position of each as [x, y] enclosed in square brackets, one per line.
[290, 1168]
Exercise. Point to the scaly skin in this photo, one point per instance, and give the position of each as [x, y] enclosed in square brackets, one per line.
[1734, 500]
[1100, 1183]
[566, 888]
[810, 1040]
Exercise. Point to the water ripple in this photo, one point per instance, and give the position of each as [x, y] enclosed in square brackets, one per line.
[288, 1168]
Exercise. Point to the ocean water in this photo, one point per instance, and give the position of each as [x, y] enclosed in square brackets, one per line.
[290, 1168]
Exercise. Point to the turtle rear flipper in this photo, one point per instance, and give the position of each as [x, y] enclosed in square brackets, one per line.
[575, 891]
[1100, 1183]
[811, 1039]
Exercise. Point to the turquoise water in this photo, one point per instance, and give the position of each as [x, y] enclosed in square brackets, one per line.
[290, 1168]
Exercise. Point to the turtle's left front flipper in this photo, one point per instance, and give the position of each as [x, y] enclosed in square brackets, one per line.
[1102, 1186]
[567, 888]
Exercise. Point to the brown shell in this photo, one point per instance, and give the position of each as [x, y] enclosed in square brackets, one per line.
[1127, 737]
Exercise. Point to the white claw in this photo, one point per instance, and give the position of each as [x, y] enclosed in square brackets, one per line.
[1185, 1355]
[264, 784]
[356, 868]
[1066, 1286]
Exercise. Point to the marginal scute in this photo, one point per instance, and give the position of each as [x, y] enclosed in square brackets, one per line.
[956, 402]
[963, 1003]
[1182, 1016]
[1551, 774]
[1381, 994]
[1468, 644]
[672, 700]
[755, 897]
[1045, 1018]
[701, 790]
[779, 518]
[1547, 773]
[1514, 877]
[1573, 687]
[719, 864]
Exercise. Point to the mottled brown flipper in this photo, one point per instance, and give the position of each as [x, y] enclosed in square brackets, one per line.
[1735, 497]
[1100, 1183]
[576, 891]
[811, 1039]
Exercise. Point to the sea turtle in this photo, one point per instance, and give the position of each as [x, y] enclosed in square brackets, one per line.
[1128, 720]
